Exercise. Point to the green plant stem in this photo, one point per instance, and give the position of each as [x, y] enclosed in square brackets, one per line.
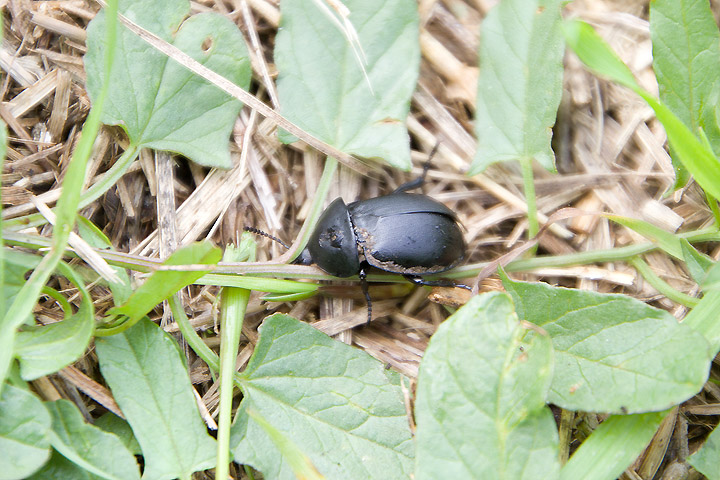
[226, 272]
[191, 337]
[66, 212]
[62, 301]
[661, 285]
[234, 304]
[315, 210]
[531, 200]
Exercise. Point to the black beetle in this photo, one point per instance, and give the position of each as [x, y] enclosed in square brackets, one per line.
[409, 234]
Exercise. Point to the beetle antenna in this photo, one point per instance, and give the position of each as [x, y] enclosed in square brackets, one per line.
[261, 233]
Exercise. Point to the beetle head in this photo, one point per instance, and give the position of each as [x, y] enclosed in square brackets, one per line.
[332, 245]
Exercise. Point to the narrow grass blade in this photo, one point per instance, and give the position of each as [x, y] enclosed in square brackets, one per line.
[693, 153]
[612, 447]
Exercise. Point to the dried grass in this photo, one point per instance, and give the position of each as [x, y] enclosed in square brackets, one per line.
[610, 152]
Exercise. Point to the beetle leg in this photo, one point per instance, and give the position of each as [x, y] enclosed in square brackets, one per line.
[366, 292]
[418, 182]
[434, 283]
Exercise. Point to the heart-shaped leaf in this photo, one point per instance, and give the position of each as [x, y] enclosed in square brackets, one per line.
[613, 353]
[159, 103]
[520, 82]
[339, 406]
[322, 85]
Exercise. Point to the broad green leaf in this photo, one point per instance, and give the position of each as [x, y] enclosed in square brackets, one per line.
[665, 240]
[111, 423]
[480, 407]
[24, 432]
[697, 263]
[703, 319]
[145, 370]
[694, 154]
[96, 451]
[612, 447]
[712, 278]
[520, 82]
[17, 264]
[707, 459]
[43, 350]
[163, 283]
[60, 468]
[613, 353]
[321, 84]
[686, 61]
[159, 103]
[340, 406]
[300, 464]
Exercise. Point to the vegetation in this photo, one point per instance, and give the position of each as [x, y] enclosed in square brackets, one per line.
[530, 380]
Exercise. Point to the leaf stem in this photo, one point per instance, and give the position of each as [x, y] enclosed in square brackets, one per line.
[234, 305]
[661, 285]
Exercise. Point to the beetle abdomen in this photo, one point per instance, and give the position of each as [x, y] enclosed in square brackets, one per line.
[419, 243]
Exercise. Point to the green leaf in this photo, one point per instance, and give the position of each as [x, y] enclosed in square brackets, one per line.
[321, 84]
[98, 452]
[707, 459]
[111, 423]
[159, 103]
[24, 430]
[686, 61]
[145, 370]
[613, 353]
[47, 349]
[163, 283]
[520, 82]
[597, 55]
[612, 447]
[60, 468]
[17, 264]
[300, 464]
[480, 407]
[341, 407]
[697, 263]
[703, 319]
[665, 240]
[712, 278]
